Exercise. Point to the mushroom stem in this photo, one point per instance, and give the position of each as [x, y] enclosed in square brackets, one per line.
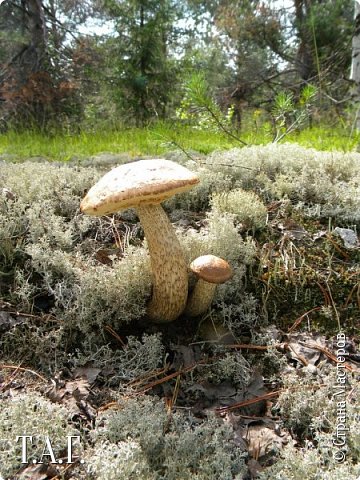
[201, 298]
[169, 269]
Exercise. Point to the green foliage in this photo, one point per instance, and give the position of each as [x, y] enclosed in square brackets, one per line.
[331, 26]
[144, 71]
[30, 414]
[288, 115]
[199, 105]
[160, 139]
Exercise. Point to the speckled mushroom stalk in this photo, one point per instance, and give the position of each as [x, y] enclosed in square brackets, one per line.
[201, 298]
[169, 269]
[211, 271]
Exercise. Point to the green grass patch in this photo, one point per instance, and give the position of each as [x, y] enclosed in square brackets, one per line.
[158, 139]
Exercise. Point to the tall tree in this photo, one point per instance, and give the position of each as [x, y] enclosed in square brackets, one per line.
[35, 83]
[145, 71]
[324, 30]
[22, 70]
[355, 62]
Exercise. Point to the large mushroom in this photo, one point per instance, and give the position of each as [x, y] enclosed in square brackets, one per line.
[211, 271]
[144, 185]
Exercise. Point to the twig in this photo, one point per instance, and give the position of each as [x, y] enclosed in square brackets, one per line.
[251, 401]
[356, 286]
[23, 369]
[248, 346]
[301, 318]
[115, 335]
[61, 475]
[169, 377]
[266, 396]
[223, 128]
[165, 379]
[141, 379]
[226, 165]
[327, 354]
[333, 306]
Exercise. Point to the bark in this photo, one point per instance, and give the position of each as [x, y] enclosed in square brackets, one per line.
[33, 55]
[355, 59]
[355, 62]
[304, 58]
[24, 80]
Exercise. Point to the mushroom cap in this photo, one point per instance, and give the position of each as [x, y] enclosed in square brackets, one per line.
[145, 182]
[211, 269]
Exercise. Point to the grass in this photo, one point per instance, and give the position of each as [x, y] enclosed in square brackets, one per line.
[158, 139]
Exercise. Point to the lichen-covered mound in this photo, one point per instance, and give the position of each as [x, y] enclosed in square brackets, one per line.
[235, 393]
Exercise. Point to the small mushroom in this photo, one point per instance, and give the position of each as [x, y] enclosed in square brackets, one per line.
[211, 271]
[144, 185]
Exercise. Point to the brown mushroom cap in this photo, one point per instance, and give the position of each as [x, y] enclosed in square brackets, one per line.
[212, 269]
[145, 182]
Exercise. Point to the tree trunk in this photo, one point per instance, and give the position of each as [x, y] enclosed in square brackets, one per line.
[304, 56]
[25, 78]
[31, 57]
[355, 63]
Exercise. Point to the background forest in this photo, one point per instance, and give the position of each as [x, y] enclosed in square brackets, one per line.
[235, 65]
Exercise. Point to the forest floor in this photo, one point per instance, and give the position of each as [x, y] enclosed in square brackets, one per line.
[263, 386]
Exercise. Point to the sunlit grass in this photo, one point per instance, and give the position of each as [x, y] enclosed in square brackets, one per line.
[157, 140]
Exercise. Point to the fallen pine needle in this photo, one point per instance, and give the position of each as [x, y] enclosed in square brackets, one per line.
[251, 401]
[301, 318]
[249, 346]
[260, 398]
[23, 369]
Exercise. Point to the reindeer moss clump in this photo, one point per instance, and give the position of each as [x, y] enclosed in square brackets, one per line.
[321, 184]
[170, 446]
[246, 207]
[49, 250]
[138, 358]
[31, 414]
[308, 408]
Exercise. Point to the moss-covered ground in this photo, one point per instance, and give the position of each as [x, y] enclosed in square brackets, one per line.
[259, 387]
